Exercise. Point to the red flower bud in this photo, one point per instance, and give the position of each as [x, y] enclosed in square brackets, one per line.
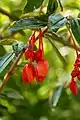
[42, 69]
[73, 87]
[28, 73]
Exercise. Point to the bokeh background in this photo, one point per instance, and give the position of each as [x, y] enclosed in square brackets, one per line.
[37, 101]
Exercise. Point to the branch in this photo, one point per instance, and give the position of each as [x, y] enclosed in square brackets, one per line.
[60, 5]
[8, 14]
[31, 14]
[72, 38]
[9, 73]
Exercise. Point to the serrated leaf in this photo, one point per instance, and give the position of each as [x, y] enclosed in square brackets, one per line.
[56, 21]
[56, 96]
[27, 23]
[52, 6]
[5, 60]
[75, 27]
[32, 4]
[18, 47]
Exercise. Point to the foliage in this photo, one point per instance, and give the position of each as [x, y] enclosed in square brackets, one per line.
[51, 99]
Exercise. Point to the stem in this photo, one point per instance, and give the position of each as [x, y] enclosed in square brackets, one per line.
[9, 73]
[41, 42]
[60, 5]
[75, 46]
[8, 14]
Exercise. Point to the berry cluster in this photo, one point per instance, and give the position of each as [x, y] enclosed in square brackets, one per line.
[75, 73]
[41, 69]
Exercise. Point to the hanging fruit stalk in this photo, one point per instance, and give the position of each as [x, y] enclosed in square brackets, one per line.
[75, 74]
[41, 69]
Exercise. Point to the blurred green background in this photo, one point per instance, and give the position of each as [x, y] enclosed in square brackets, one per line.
[37, 101]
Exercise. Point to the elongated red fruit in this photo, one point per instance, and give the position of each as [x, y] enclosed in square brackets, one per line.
[73, 87]
[38, 78]
[24, 75]
[42, 67]
[28, 73]
[41, 70]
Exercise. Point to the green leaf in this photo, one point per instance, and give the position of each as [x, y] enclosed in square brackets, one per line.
[77, 97]
[5, 60]
[56, 96]
[78, 20]
[56, 21]
[32, 4]
[60, 5]
[14, 95]
[52, 6]
[7, 41]
[72, 5]
[27, 23]
[75, 27]
[43, 17]
[18, 47]
[16, 13]
[3, 51]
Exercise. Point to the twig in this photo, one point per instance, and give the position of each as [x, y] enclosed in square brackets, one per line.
[60, 5]
[8, 74]
[8, 14]
[72, 38]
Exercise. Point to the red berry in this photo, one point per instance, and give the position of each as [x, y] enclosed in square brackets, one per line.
[73, 87]
[28, 73]
[38, 55]
[42, 68]
[28, 53]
